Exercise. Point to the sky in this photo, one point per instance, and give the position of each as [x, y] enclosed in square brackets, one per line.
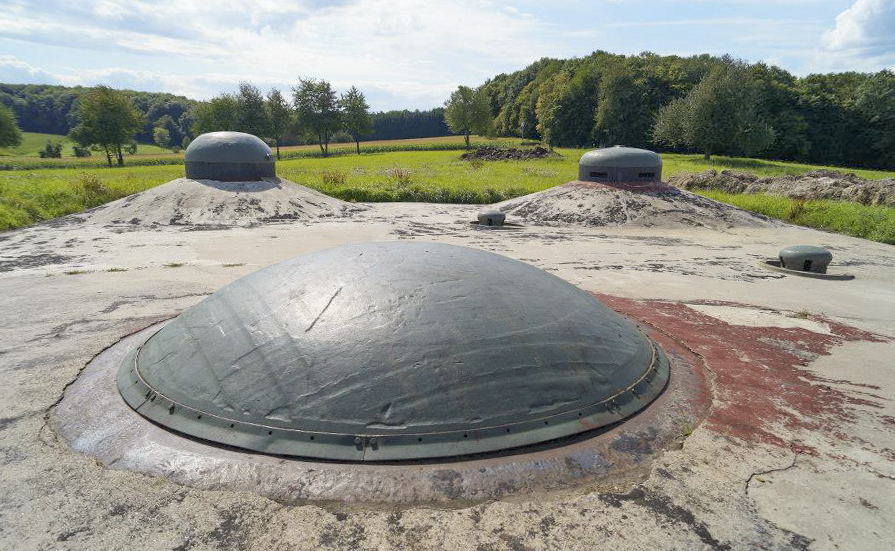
[410, 54]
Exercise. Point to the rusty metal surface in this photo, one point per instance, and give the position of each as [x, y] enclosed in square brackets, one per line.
[95, 420]
[393, 351]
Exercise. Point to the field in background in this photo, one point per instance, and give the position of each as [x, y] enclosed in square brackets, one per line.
[32, 142]
[25, 157]
[28, 196]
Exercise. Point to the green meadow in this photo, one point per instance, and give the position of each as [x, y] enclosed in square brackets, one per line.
[384, 172]
[34, 142]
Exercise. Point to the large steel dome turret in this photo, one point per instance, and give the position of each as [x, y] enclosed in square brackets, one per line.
[229, 157]
[393, 351]
[620, 164]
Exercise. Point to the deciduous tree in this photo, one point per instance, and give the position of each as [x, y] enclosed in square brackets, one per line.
[467, 112]
[622, 116]
[875, 99]
[355, 115]
[317, 110]
[10, 135]
[161, 137]
[216, 114]
[108, 120]
[251, 112]
[279, 115]
[721, 114]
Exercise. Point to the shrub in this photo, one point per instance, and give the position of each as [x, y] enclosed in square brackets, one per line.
[94, 191]
[51, 150]
[399, 176]
[334, 178]
[81, 151]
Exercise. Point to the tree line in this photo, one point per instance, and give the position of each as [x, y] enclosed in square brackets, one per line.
[172, 121]
[315, 111]
[712, 105]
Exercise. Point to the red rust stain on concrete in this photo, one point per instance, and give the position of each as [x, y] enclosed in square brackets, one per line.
[759, 378]
[633, 187]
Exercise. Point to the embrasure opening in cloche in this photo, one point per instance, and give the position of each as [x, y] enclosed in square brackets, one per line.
[393, 351]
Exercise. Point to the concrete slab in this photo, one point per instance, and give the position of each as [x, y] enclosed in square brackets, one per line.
[796, 452]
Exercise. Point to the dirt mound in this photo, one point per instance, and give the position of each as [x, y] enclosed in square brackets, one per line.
[817, 184]
[186, 202]
[592, 204]
[490, 153]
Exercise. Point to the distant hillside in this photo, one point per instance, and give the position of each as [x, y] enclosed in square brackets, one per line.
[50, 109]
[845, 119]
[34, 142]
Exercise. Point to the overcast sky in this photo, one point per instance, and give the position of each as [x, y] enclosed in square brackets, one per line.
[412, 53]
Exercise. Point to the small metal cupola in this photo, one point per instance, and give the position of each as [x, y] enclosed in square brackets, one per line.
[805, 258]
[620, 164]
[492, 218]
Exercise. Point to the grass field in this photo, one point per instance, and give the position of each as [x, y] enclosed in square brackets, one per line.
[32, 142]
[869, 222]
[28, 196]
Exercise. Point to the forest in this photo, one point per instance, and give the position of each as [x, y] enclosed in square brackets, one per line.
[842, 119]
[51, 109]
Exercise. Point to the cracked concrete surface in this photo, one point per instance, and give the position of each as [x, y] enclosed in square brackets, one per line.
[796, 454]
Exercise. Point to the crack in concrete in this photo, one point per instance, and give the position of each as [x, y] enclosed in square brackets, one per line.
[792, 464]
[48, 411]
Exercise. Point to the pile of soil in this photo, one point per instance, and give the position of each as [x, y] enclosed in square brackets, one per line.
[591, 204]
[817, 184]
[490, 153]
[186, 202]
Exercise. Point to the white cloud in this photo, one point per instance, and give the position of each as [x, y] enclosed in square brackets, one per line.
[863, 38]
[414, 49]
[16, 71]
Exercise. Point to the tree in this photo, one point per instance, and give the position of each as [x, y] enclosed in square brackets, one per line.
[279, 115]
[53, 150]
[251, 112]
[622, 116]
[467, 111]
[875, 100]
[356, 115]
[161, 137]
[218, 113]
[107, 120]
[10, 135]
[549, 105]
[317, 110]
[720, 114]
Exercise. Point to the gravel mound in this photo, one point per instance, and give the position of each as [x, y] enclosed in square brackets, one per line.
[186, 202]
[592, 204]
[817, 184]
[490, 153]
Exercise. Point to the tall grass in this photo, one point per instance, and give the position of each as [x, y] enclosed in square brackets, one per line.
[870, 222]
[27, 197]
